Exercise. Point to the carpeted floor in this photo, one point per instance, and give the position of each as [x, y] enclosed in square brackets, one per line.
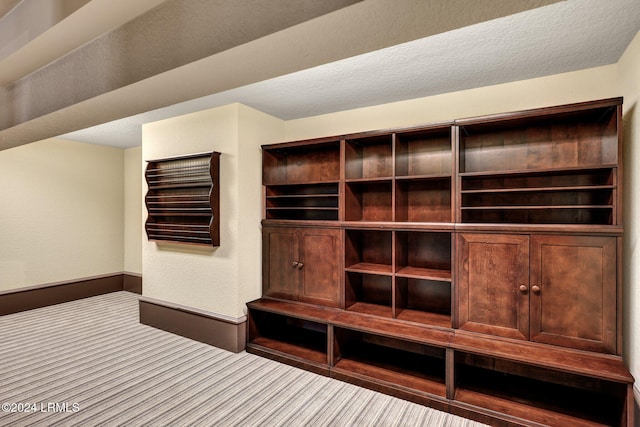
[90, 363]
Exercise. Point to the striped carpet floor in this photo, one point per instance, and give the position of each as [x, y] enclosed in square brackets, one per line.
[90, 363]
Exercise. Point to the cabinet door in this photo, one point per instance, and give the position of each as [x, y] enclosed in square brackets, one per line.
[280, 274]
[493, 283]
[320, 258]
[573, 291]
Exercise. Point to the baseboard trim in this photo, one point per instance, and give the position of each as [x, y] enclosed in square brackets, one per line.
[132, 282]
[206, 327]
[22, 299]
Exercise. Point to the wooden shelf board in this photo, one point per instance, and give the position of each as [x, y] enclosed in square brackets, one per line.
[541, 171]
[425, 334]
[370, 268]
[318, 368]
[425, 317]
[539, 189]
[520, 410]
[536, 207]
[425, 177]
[290, 349]
[393, 376]
[611, 230]
[302, 311]
[304, 196]
[603, 366]
[300, 208]
[368, 308]
[399, 226]
[281, 184]
[425, 273]
[375, 180]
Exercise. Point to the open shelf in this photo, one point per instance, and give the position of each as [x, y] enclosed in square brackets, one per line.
[369, 201]
[313, 163]
[423, 255]
[368, 294]
[390, 361]
[579, 138]
[424, 199]
[537, 394]
[369, 157]
[302, 339]
[423, 301]
[368, 251]
[424, 152]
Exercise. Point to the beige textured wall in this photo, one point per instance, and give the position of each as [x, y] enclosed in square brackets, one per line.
[61, 212]
[133, 227]
[212, 279]
[255, 129]
[629, 72]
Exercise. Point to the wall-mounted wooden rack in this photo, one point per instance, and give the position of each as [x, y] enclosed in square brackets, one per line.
[183, 200]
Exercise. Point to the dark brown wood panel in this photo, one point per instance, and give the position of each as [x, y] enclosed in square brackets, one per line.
[280, 275]
[320, 266]
[494, 284]
[573, 291]
[22, 299]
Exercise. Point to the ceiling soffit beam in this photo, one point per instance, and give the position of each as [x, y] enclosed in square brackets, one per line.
[178, 52]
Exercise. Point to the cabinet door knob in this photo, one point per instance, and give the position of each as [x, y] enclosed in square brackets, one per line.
[300, 265]
[523, 288]
[535, 288]
[295, 264]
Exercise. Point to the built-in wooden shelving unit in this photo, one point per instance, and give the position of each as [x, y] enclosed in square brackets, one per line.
[472, 266]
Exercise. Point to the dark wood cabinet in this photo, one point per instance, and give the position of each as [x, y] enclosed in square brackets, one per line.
[472, 266]
[493, 283]
[573, 290]
[551, 289]
[302, 264]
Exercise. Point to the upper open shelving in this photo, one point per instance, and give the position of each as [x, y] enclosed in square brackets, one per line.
[548, 166]
[556, 165]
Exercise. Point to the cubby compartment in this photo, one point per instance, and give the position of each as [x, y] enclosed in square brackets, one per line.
[368, 251]
[423, 277]
[303, 201]
[389, 362]
[423, 200]
[538, 394]
[369, 158]
[296, 164]
[369, 201]
[423, 301]
[302, 339]
[424, 153]
[368, 293]
[423, 255]
[579, 138]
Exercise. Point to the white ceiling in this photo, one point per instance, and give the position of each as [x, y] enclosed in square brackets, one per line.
[562, 37]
